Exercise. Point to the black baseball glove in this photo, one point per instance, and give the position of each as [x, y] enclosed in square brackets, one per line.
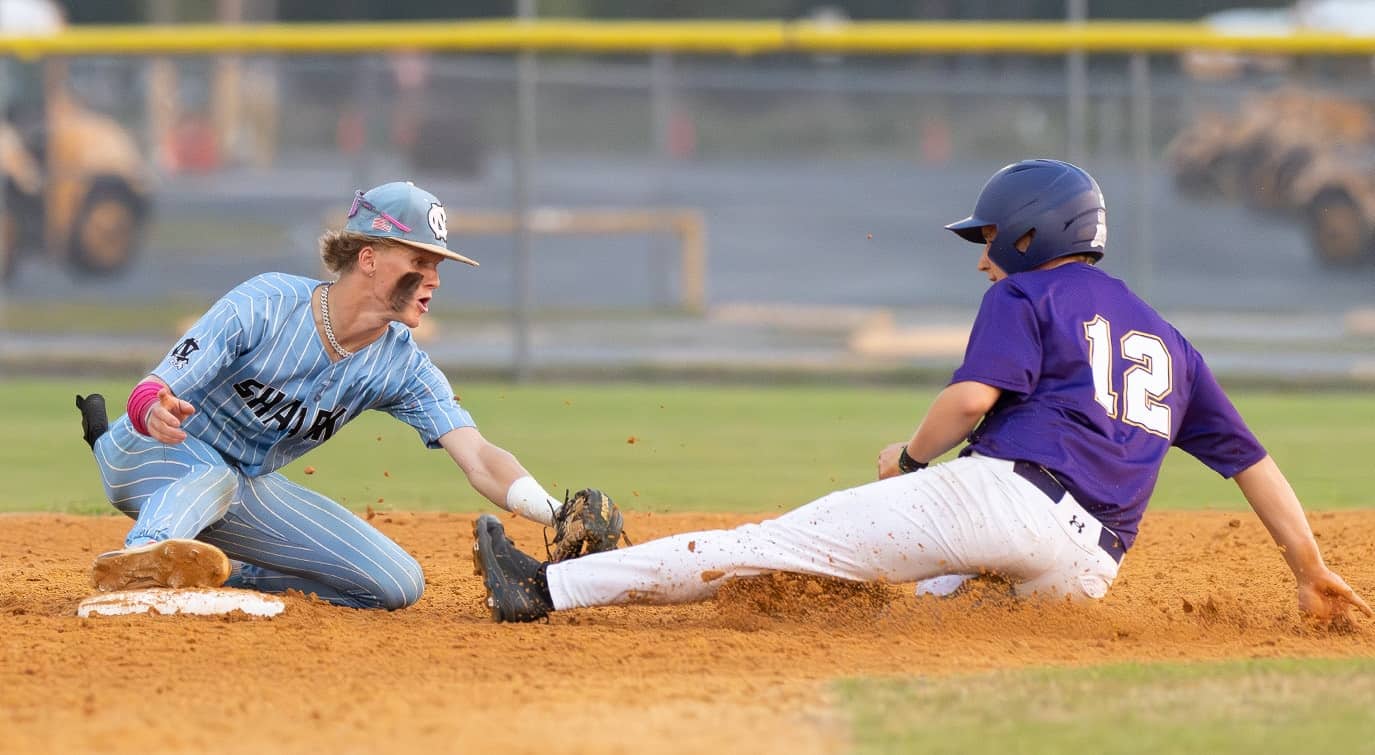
[587, 523]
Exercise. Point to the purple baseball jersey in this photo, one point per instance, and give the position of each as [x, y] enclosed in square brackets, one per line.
[1096, 387]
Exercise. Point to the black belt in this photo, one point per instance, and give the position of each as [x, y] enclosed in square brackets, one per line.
[1046, 483]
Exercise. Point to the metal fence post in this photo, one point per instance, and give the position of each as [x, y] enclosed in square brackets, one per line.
[1142, 257]
[661, 114]
[369, 110]
[1076, 84]
[523, 189]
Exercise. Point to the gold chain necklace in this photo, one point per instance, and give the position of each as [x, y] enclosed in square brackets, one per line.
[329, 329]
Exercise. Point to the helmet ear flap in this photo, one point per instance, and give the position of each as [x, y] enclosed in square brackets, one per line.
[1003, 251]
[1008, 249]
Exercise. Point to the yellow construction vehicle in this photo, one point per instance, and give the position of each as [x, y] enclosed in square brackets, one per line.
[1337, 194]
[75, 185]
[1233, 153]
[1310, 126]
[1309, 153]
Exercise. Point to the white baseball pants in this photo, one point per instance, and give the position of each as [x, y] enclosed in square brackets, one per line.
[973, 515]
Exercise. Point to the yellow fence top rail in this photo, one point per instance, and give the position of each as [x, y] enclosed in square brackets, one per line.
[706, 37]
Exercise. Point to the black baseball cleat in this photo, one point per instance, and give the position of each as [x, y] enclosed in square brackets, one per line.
[94, 420]
[516, 587]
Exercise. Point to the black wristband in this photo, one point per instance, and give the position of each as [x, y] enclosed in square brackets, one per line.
[908, 464]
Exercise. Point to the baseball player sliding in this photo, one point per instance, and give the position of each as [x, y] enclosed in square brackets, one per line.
[1071, 392]
[276, 368]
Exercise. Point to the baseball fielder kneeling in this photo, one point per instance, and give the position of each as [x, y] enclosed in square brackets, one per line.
[275, 368]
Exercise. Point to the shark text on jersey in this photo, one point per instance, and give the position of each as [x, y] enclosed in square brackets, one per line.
[270, 406]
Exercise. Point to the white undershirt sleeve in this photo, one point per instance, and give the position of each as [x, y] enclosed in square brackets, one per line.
[527, 498]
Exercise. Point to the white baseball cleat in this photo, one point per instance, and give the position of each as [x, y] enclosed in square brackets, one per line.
[169, 563]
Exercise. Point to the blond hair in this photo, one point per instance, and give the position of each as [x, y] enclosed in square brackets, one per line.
[339, 249]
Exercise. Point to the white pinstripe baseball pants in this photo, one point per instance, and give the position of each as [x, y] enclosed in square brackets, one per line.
[286, 535]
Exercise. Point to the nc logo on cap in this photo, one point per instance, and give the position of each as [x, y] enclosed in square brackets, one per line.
[402, 211]
[439, 224]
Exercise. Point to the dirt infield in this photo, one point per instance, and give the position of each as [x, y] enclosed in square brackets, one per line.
[720, 676]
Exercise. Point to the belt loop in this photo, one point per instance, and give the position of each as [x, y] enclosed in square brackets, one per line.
[1112, 544]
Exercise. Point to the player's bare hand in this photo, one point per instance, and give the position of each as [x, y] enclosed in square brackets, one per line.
[1325, 597]
[888, 460]
[165, 417]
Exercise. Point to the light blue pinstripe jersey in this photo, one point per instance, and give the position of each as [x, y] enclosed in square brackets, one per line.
[264, 388]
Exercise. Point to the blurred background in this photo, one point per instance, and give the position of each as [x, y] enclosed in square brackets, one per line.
[692, 214]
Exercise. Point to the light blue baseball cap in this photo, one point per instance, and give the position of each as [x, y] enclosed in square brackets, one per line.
[406, 213]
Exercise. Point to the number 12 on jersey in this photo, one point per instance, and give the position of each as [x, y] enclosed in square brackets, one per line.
[1145, 384]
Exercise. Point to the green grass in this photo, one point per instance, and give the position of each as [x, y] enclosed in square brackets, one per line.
[100, 317]
[697, 448]
[1232, 707]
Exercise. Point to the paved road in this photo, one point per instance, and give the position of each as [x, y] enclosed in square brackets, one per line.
[778, 232]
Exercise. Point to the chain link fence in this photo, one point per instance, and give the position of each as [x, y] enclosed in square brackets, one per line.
[1239, 191]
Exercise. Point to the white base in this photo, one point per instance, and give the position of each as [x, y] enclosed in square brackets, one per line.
[197, 602]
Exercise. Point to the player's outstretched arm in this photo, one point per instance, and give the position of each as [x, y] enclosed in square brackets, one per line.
[952, 416]
[1322, 593]
[498, 475]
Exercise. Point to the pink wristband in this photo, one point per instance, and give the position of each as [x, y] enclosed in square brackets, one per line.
[145, 394]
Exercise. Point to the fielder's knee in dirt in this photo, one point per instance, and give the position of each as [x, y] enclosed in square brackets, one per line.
[399, 586]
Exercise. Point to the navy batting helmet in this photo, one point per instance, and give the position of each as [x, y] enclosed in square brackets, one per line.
[1057, 200]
